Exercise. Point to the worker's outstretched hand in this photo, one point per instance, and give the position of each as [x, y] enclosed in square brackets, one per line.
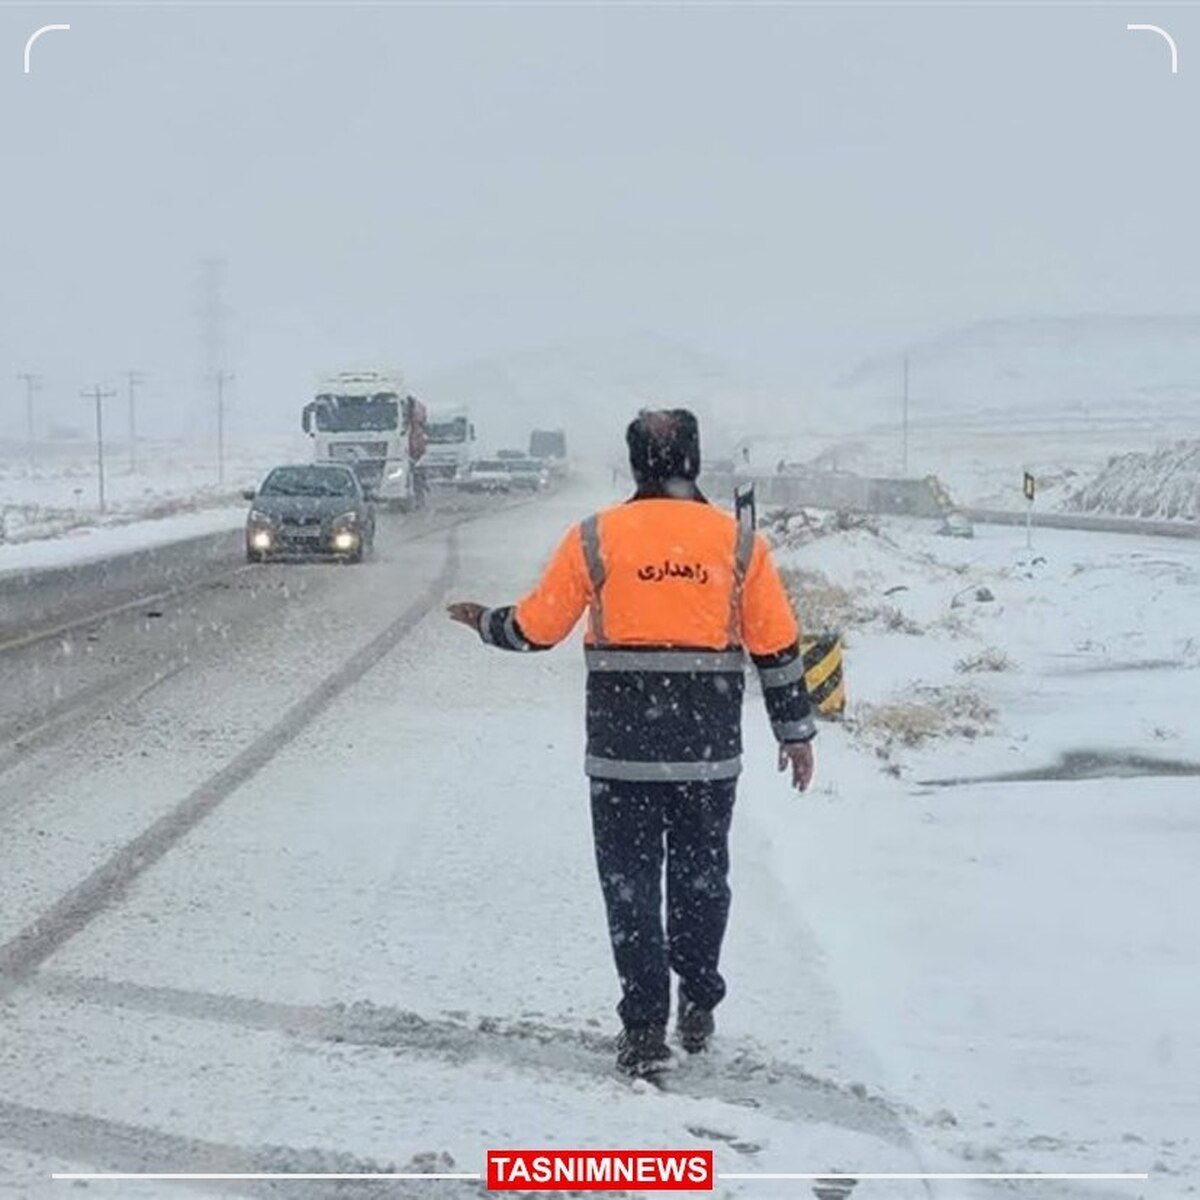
[466, 612]
[799, 756]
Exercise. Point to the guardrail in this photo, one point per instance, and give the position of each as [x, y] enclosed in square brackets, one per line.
[50, 596]
[920, 498]
[924, 497]
[1086, 522]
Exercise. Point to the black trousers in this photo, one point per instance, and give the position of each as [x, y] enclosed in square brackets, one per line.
[636, 826]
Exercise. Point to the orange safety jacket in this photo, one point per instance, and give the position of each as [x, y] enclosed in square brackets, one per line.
[677, 592]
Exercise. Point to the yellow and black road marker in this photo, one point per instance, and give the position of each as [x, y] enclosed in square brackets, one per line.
[823, 673]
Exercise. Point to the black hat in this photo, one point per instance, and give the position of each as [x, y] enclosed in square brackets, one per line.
[664, 444]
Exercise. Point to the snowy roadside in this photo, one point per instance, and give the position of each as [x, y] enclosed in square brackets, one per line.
[1016, 950]
[50, 514]
[1112, 464]
[93, 543]
[388, 946]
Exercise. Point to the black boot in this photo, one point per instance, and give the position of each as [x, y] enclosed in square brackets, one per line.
[695, 1025]
[643, 1050]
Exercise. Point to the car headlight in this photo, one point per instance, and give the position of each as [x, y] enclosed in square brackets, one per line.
[346, 518]
[258, 517]
[260, 539]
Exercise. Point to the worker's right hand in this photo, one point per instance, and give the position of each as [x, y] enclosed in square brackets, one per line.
[799, 756]
[467, 612]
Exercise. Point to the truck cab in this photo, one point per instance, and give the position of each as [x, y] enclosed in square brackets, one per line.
[451, 445]
[365, 420]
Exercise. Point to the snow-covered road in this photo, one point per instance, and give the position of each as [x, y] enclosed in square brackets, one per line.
[315, 893]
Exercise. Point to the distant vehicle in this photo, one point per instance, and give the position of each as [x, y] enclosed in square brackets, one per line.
[548, 443]
[310, 509]
[487, 475]
[365, 420]
[451, 439]
[956, 524]
[527, 474]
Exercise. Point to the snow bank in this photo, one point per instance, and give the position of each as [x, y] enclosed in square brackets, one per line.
[1162, 483]
[58, 494]
[90, 543]
[990, 401]
[1005, 929]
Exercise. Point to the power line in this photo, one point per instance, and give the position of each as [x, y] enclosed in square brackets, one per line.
[99, 395]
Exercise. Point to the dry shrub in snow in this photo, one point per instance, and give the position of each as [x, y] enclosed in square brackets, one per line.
[894, 621]
[825, 605]
[990, 659]
[906, 723]
[788, 528]
[928, 712]
[844, 520]
[953, 624]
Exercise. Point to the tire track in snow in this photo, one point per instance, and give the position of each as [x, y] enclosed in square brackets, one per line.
[121, 1147]
[108, 883]
[219, 550]
[108, 696]
[72, 715]
[739, 1077]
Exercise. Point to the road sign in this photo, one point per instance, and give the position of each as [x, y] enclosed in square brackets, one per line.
[1030, 487]
[745, 506]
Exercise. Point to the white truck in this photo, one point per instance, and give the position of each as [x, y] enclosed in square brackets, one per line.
[451, 442]
[367, 421]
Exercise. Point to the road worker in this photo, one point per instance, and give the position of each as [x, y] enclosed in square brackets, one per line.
[677, 592]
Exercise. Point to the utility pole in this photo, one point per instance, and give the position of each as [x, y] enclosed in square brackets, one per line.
[221, 378]
[33, 384]
[904, 472]
[133, 379]
[99, 395]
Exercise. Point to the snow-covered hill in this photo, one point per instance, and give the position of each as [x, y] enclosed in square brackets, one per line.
[592, 387]
[1138, 367]
[1083, 364]
[1164, 483]
[1059, 397]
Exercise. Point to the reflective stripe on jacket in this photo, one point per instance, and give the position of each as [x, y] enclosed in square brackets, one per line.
[676, 593]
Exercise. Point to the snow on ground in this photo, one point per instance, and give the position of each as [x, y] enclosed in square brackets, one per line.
[90, 543]
[58, 495]
[417, 865]
[982, 459]
[1009, 963]
[1164, 483]
[1058, 397]
[1019, 953]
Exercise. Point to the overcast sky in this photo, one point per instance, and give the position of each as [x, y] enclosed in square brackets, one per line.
[785, 188]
